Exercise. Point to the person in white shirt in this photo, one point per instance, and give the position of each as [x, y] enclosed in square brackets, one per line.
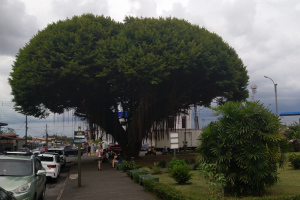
[99, 153]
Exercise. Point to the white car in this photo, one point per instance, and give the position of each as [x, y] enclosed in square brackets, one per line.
[51, 163]
[61, 153]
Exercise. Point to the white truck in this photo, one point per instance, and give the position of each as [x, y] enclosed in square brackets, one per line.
[189, 135]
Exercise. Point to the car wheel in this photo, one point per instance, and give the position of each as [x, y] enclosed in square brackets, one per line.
[42, 197]
[75, 154]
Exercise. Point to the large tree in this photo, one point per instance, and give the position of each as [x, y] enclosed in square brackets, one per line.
[148, 68]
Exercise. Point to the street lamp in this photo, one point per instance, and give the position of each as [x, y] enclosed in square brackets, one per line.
[275, 87]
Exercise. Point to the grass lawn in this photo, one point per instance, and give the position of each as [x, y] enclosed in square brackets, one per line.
[289, 183]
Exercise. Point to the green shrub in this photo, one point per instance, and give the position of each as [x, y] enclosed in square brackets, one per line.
[162, 164]
[295, 146]
[136, 177]
[295, 161]
[176, 162]
[293, 197]
[190, 161]
[163, 191]
[180, 173]
[156, 170]
[147, 170]
[247, 146]
[196, 166]
[129, 165]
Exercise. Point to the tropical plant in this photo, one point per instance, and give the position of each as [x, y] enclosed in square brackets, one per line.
[293, 131]
[295, 161]
[216, 181]
[246, 146]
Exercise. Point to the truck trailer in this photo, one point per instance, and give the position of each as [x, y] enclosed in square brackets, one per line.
[189, 135]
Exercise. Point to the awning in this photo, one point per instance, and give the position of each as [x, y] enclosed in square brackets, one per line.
[289, 113]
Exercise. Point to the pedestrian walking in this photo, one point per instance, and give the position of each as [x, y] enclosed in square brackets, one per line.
[89, 150]
[99, 153]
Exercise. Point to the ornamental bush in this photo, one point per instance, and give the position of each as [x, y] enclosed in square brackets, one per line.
[295, 161]
[180, 173]
[162, 190]
[176, 162]
[246, 146]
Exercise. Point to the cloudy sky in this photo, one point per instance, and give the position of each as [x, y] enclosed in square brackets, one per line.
[265, 34]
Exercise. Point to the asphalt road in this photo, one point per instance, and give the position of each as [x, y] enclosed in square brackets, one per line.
[54, 188]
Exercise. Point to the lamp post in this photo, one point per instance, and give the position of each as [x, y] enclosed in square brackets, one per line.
[275, 87]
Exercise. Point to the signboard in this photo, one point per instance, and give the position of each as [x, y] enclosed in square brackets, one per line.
[174, 141]
[79, 137]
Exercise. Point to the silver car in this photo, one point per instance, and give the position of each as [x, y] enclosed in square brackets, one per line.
[23, 176]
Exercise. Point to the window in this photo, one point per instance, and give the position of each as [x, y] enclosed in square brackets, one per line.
[170, 122]
[46, 159]
[16, 167]
[183, 118]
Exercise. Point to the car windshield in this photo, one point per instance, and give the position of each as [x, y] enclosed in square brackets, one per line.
[56, 151]
[15, 168]
[46, 159]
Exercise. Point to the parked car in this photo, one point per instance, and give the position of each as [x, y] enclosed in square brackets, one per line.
[71, 150]
[25, 149]
[24, 176]
[51, 163]
[61, 154]
[113, 148]
[145, 147]
[6, 194]
[39, 150]
[19, 153]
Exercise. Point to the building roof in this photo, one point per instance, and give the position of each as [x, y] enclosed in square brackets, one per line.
[11, 136]
[289, 113]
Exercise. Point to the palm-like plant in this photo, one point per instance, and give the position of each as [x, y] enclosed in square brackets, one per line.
[246, 146]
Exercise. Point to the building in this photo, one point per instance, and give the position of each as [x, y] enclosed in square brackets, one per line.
[11, 142]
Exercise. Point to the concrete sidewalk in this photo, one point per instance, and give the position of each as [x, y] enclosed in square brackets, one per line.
[106, 184]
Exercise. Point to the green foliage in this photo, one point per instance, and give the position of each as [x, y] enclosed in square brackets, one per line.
[136, 177]
[180, 173]
[7, 130]
[190, 161]
[147, 170]
[129, 165]
[156, 170]
[295, 145]
[293, 131]
[295, 161]
[162, 164]
[142, 65]
[163, 191]
[176, 162]
[216, 181]
[293, 197]
[246, 146]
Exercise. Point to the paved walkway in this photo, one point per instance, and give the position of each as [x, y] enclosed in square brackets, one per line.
[107, 184]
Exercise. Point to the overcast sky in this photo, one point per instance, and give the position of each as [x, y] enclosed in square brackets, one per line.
[265, 34]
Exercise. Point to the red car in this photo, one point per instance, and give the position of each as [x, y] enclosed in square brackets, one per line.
[114, 147]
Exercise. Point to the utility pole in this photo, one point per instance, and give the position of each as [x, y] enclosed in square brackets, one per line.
[46, 136]
[26, 132]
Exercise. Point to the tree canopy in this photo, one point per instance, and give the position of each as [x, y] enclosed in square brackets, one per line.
[148, 68]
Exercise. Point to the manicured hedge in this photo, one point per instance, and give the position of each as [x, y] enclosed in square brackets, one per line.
[294, 197]
[163, 191]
